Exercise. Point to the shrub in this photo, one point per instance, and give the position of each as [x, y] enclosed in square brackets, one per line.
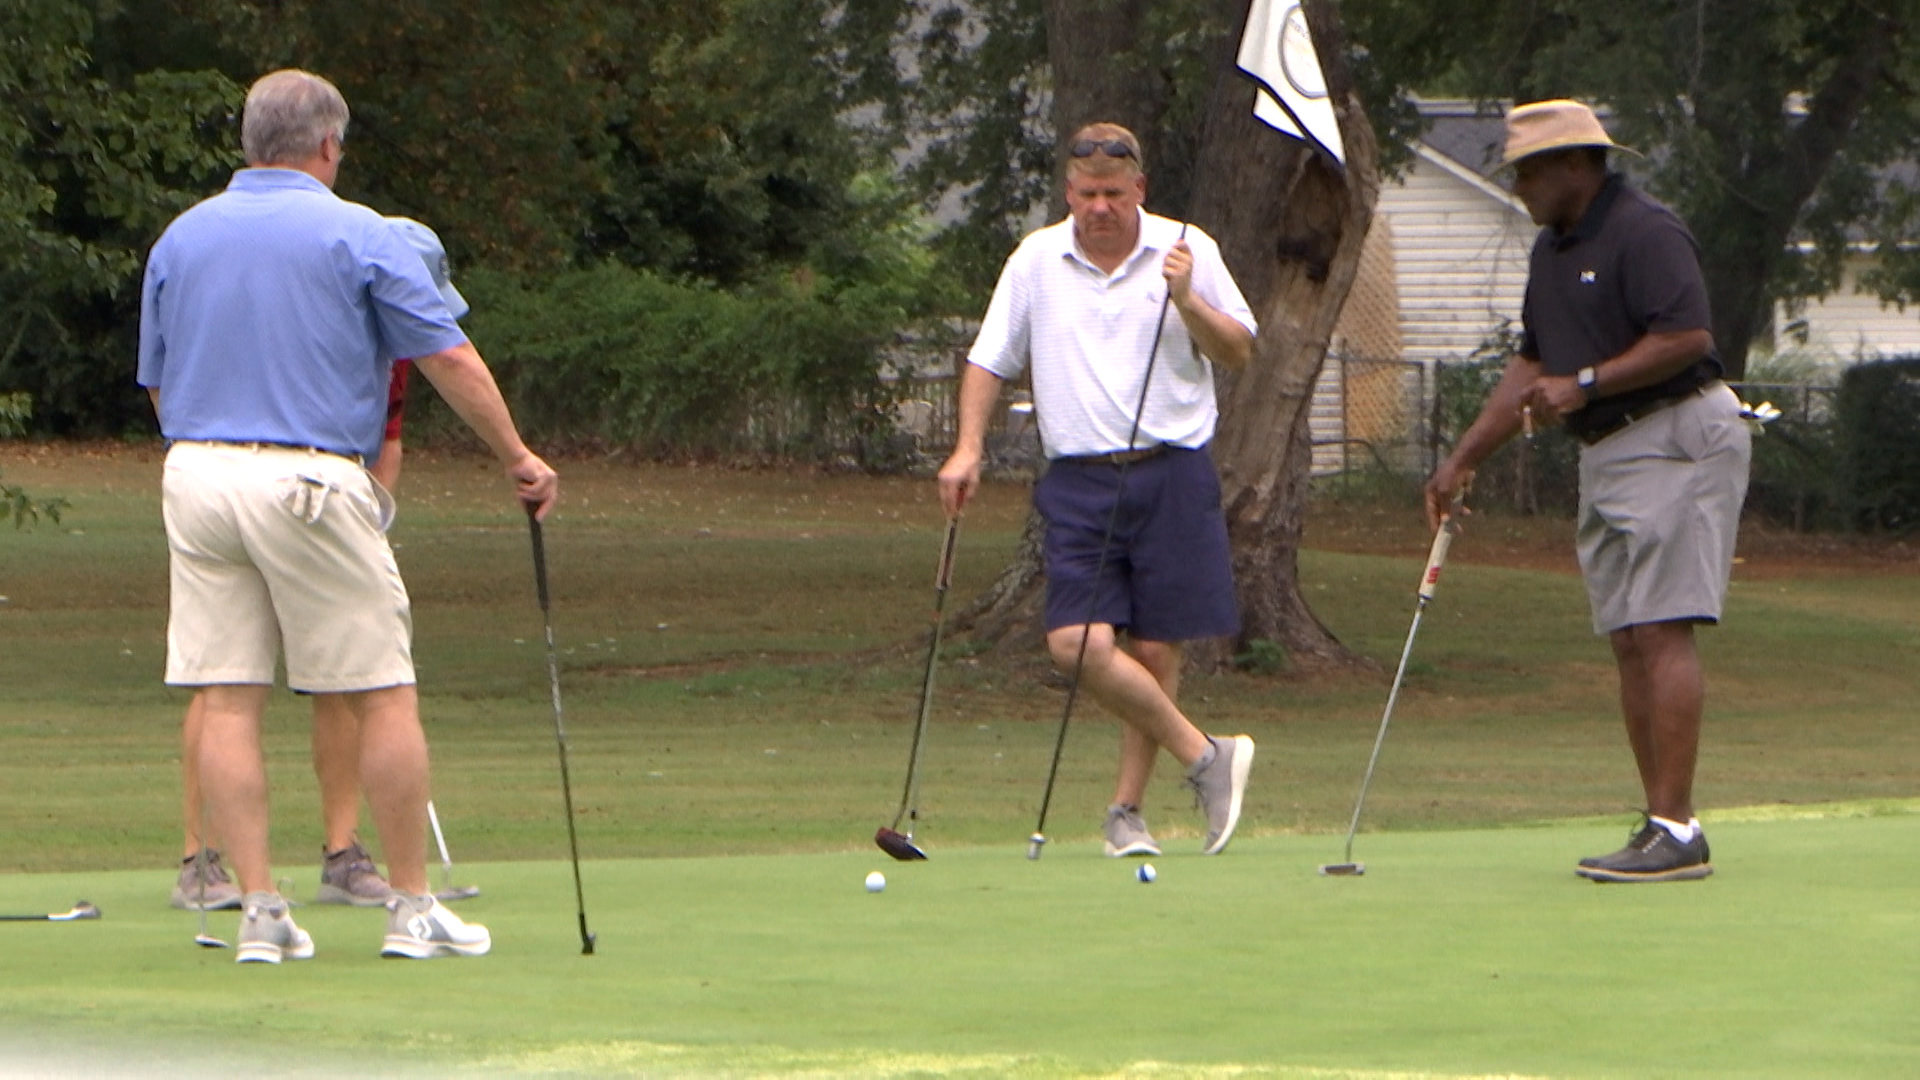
[1877, 431]
[624, 357]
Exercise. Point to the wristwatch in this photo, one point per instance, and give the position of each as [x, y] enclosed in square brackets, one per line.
[1587, 377]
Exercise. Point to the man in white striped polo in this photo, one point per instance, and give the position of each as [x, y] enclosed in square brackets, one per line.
[1086, 302]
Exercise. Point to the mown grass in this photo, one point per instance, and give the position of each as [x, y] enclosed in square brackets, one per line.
[740, 681]
[740, 676]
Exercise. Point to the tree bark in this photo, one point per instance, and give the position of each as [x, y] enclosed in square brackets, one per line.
[1086, 43]
[1291, 225]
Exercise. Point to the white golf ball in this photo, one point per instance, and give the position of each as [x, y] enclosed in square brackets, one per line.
[876, 881]
[1146, 873]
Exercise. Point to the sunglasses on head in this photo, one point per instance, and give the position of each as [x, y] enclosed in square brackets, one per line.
[1113, 148]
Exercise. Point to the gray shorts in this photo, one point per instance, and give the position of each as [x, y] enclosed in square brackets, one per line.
[1659, 507]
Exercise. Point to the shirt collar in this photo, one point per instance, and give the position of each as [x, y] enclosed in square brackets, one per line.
[1596, 215]
[1148, 239]
[266, 178]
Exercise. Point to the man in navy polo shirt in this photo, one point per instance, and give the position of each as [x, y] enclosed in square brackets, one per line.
[271, 316]
[1080, 300]
[1619, 347]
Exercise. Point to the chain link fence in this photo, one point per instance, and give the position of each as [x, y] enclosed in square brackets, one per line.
[1383, 425]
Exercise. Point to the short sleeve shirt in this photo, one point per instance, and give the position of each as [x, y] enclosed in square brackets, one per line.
[273, 312]
[1629, 268]
[1086, 334]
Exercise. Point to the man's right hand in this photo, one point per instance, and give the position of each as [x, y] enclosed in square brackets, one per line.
[959, 479]
[535, 482]
[1444, 488]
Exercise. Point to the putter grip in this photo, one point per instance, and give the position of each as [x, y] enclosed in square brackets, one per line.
[1436, 558]
[539, 555]
[944, 577]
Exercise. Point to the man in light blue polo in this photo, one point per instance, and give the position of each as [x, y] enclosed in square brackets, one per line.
[271, 315]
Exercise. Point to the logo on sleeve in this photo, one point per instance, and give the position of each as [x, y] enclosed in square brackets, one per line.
[1587, 277]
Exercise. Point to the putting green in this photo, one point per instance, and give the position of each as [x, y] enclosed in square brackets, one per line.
[1457, 954]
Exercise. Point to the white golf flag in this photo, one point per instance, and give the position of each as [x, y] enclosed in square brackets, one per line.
[1277, 51]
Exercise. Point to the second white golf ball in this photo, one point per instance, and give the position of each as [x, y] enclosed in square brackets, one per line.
[1146, 873]
[876, 881]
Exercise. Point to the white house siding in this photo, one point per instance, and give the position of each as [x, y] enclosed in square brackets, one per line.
[1459, 268]
[1460, 256]
[1850, 325]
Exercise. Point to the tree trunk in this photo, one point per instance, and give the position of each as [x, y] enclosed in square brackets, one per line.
[1741, 250]
[1291, 225]
[1085, 41]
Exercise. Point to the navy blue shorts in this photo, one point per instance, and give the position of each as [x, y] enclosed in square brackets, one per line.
[1169, 572]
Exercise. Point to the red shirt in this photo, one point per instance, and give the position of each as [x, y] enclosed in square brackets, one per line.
[397, 398]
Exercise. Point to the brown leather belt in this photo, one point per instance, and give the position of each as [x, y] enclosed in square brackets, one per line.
[1632, 416]
[1120, 457]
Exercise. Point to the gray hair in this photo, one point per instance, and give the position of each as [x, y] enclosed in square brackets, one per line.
[289, 114]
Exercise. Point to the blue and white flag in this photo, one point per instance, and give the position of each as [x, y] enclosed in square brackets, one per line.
[1277, 51]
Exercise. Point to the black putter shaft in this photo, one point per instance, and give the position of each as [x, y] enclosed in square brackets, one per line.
[891, 840]
[1039, 837]
[80, 910]
[559, 720]
[1429, 581]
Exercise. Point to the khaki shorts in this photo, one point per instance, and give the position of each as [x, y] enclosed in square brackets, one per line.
[1659, 507]
[274, 546]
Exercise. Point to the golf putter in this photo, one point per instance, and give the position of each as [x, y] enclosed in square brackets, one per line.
[889, 838]
[587, 937]
[203, 939]
[1429, 580]
[448, 891]
[80, 910]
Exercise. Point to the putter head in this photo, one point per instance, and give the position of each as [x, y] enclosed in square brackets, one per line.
[459, 892]
[208, 941]
[1034, 844]
[81, 910]
[899, 846]
[586, 944]
[1343, 869]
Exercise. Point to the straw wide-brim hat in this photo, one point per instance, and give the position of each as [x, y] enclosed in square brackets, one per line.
[1553, 125]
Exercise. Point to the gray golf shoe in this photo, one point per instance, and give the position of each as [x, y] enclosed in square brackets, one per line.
[267, 932]
[1219, 784]
[1127, 834]
[348, 876]
[421, 928]
[204, 885]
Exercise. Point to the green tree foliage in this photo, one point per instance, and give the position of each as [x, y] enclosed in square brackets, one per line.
[1766, 122]
[91, 168]
[744, 144]
[717, 140]
[982, 106]
[734, 134]
[980, 103]
[481, 119]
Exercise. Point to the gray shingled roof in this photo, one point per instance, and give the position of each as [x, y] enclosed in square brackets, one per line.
[1462, 132]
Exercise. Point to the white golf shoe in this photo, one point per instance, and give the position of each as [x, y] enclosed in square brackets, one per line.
[267, 932]
[421, 928]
